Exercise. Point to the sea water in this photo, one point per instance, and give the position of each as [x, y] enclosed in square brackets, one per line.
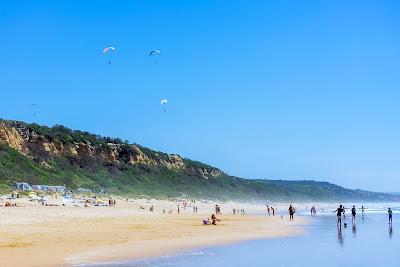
[371, 241]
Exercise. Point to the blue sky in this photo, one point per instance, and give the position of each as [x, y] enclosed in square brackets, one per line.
[260, 89]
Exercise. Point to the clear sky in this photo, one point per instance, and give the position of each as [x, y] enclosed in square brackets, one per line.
[261, 89]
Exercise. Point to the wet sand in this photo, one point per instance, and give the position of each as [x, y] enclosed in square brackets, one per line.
[370, 242]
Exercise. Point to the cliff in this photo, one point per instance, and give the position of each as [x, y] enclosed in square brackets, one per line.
[43, 145]
[60, 156]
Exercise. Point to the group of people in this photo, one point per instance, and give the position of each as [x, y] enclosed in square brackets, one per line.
[238, 212]
[169, 212]
[111, 202]
[9, 204]
[271, 210]
[213, 221]
[341, 211]
[194, 209]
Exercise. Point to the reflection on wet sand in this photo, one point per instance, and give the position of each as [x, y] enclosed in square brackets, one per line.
[354, 229]
[369, 238]
[340, 236]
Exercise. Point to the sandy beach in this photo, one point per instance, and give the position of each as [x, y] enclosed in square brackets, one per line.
[36, 235]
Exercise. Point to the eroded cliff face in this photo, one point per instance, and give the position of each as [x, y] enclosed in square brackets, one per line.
[11, 137]
[43, 149]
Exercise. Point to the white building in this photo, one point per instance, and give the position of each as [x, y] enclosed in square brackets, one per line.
[22, 186]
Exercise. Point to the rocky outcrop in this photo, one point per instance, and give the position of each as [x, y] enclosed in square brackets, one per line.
[11, 137]
[42, 149]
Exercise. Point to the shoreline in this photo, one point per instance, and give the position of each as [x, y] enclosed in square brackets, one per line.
[137, 250]
[33, 235]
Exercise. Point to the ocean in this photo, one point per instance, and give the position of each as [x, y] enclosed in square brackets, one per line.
[370, 242]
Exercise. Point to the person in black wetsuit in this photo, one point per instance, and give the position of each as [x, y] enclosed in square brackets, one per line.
[291, 212]
[353, 214]
[390, 213]
[339, 212]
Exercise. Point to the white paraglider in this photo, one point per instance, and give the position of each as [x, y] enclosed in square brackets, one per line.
[107, 51]
[163, 103]
[155, 54]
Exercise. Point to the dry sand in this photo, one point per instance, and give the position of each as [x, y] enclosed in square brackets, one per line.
[35, 235]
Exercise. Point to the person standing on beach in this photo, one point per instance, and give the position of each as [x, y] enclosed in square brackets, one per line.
[353, 214]
[339, 212]
[273, 211]
[313, 211]
[268, 211]
[291, 212]
[217, 210]
[390, 213]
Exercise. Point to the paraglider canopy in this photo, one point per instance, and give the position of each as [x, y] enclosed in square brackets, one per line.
[107, 51]
[163, 102]
[155, 53]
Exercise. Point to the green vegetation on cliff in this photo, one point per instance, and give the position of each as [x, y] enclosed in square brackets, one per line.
[130, 173]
